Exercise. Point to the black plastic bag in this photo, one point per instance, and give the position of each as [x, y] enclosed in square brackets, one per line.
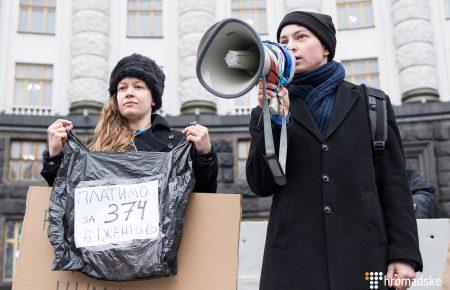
[125, 235]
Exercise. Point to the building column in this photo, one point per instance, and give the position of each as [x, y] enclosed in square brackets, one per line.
[88, 90]
[414, 50]
[303, 5]
[195, 17]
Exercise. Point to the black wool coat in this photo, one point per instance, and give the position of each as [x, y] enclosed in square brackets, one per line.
[335, 219]
[160, 137]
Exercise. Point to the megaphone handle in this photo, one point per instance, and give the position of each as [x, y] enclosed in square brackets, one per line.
[274, 107]
[274, 104]
[277, 166]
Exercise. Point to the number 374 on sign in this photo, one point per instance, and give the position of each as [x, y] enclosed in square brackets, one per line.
[116, 213]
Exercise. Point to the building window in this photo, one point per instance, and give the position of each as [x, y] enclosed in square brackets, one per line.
[354, 14]
[25, 160]
[252, 12]
[37, 16]
[12, 231]
[243, 148]
[448, 9]
[33, 86]
[362, 71]
[145, 18]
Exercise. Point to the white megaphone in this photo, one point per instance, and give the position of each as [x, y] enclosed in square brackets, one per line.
[231, 58]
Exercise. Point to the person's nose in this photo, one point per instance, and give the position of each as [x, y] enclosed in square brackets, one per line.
[129, 93]
[291, 47]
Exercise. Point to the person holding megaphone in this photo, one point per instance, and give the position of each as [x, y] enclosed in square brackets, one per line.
[345, 218]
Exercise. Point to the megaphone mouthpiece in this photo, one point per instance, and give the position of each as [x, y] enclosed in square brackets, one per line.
[243, 59]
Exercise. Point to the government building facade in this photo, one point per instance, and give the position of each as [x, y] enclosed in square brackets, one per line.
[56, 57]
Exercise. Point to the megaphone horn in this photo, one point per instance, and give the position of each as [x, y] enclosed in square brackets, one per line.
[231, 58]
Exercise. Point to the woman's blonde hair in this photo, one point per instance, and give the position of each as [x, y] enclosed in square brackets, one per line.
[112, 132]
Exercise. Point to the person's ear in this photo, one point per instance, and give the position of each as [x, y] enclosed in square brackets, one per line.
[326, 52]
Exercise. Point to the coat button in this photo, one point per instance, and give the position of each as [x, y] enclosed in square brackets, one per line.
[170, 145]
[325, 147]
[327, 209]
[171, 136]
[325, 178]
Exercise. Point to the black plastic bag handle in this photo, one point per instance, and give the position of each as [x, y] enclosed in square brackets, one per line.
[71, 135]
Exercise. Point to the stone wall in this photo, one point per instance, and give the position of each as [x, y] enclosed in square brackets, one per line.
[425, 130]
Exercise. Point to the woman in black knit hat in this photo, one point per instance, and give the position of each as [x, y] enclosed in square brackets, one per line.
[128, 122]
[345, 218]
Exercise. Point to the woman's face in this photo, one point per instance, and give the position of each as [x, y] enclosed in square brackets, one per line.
[306, 47]
[134, 99]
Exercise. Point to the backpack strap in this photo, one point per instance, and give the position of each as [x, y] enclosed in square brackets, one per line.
[376, 100]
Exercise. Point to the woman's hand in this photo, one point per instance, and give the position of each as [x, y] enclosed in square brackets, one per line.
[198, 134]
[270, 87]
[57, 135]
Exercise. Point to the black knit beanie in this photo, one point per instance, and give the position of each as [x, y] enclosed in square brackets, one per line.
[320, 24]
[143, 68]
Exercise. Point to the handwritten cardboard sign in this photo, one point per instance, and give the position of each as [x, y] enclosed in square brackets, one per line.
[116, 213]
[207, 258]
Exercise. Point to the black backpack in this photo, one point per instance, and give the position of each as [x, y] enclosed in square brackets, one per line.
[376, 100]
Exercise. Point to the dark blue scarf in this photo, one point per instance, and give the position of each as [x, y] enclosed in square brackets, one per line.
[317, 88]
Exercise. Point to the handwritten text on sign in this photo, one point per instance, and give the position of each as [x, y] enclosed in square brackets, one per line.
[116, 213]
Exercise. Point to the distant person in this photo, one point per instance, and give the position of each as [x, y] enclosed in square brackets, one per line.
[426, 202]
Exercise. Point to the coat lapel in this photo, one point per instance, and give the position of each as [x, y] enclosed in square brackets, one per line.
[301, 113]
[346, 97]
[155, 139]
[148, 142]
